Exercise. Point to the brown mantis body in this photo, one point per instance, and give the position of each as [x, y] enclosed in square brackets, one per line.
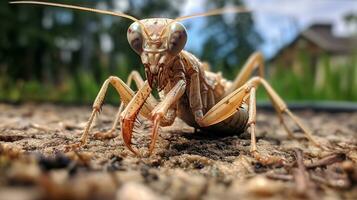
[188, 89]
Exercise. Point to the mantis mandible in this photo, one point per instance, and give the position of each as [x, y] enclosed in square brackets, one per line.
[188, 89]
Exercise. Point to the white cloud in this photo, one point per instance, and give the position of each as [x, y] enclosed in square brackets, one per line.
[192, 6]
[306, 12]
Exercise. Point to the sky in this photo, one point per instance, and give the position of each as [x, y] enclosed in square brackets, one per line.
[280, 21]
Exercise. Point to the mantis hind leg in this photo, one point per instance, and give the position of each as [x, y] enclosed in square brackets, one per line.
[231, 103]
[281, 108]
[255, 61]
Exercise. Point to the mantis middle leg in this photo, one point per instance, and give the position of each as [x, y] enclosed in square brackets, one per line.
[125, 93]
[139, 82]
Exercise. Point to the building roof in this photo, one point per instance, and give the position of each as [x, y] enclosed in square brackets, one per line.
[322, 36]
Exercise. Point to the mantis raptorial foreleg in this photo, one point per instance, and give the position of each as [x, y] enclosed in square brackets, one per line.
[129, 115]
[162, 109]
[139, 82]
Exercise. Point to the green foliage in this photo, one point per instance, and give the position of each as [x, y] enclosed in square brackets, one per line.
[326, 81]
[56, 54]
[338, 83]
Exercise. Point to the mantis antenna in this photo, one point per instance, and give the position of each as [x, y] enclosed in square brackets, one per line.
[85, 9]
[219, 11]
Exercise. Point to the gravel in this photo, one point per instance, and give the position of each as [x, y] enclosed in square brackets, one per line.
[186, 164]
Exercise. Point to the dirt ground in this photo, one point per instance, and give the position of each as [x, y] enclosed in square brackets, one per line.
[186, 164]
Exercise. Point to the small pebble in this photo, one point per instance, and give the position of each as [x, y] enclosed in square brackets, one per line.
[262, 186]
[24, 173]
[136, 191]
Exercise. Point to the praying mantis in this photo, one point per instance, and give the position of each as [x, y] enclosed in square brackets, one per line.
[187, 88]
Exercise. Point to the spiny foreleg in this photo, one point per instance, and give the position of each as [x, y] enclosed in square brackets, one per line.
[164, 111]
[129, 115]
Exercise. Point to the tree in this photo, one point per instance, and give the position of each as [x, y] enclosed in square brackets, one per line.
[230, 39]
[54, 46]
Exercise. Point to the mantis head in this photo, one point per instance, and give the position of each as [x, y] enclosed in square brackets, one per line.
[157, 43]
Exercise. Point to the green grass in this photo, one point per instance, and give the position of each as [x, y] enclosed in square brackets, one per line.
[322, 82]
[338, 83]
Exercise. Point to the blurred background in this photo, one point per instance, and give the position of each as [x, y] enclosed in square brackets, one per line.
[60, 55]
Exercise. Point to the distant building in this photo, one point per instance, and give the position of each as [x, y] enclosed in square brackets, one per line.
[307, 53]
[315, 41]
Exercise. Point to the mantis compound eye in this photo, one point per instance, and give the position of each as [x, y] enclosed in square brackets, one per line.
[177, 38]
[135, 37]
